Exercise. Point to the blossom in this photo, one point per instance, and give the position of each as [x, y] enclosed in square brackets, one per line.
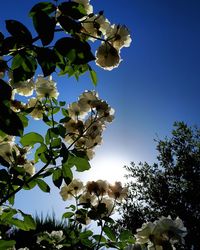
[107, 57]
[99, 187]
[87, 99]
[95, 26]
[86, 4]
[29, 168]
[88, 198]
[38, 110]
[6, 151]
[24, 88]
[109, 205]
[118, 36]
[167, 226]
[144, 233]
[71, 190]
[163, 230]
[75, 110]
[46, 87]
[117, 191]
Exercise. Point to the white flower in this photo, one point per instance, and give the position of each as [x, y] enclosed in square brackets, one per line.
[118, 36]
[29, 168]
[95, 26]
[6, 151]
[107, 57]
[118, 192]
[87, 197]
[144, 233]
[75, 111]
[24, 88]
[86, 4]
[86, 100]
[165, 225]
[99, 187]
[109, 205]
[46, 87]
[38, 111]
[57, 234]
[71, 190]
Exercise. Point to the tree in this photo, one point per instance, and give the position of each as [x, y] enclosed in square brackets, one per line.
[61, 46]
[169, 187]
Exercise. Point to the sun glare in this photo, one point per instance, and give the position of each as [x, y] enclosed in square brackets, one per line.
[108, 168]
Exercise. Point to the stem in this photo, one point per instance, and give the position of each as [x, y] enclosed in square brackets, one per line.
[25, 183]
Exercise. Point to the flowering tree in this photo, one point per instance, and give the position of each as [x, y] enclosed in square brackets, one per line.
[64, 31]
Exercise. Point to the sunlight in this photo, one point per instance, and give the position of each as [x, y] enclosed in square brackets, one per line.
[107, 167]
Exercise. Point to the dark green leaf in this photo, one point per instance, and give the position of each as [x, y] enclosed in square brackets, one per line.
[29, 221]
[69, 24]
[19, 31]
[47, 59]
[109, 233]
[46, 7]
[6, 244]
[31, 139]
[67, 173]
[57, 177]
[43, 185]
[5, 91]
[39, 153]
[44, 25]
[82, 51]
[10, 123]
[72, 9]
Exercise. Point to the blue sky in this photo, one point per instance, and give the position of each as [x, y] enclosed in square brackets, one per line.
[157, 83]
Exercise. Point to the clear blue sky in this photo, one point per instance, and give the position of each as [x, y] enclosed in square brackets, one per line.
[157, 83]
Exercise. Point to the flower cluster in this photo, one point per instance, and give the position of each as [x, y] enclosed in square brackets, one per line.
[113, 37]
[44, 87]
[161, 232]
[15, 156]
[99, 196]
[88, 118]
[53, 239]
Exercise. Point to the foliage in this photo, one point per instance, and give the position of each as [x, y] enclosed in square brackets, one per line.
[170, 187]
[62, 46]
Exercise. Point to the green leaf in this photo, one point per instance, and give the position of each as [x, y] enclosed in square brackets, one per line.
[39, 153]
[28, 221]
[5, 91]
[98, 237]
[47, 59]
[10, 123]
[46, 7]
[109, 233]
[7, 244]
[43, 185]
[72, 9]
[67, 173]
[44, 25]
[19, 31]
[81, 49]
[30, 185]
[57, 177]
[31, 139]
[69, 25]
[125, 235]
[67, 215]
[93, 76]
[80, 163]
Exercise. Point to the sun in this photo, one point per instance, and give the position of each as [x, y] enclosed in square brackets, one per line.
[106, 167]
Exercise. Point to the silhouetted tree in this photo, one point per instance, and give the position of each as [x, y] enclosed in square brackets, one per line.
[169, 187]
